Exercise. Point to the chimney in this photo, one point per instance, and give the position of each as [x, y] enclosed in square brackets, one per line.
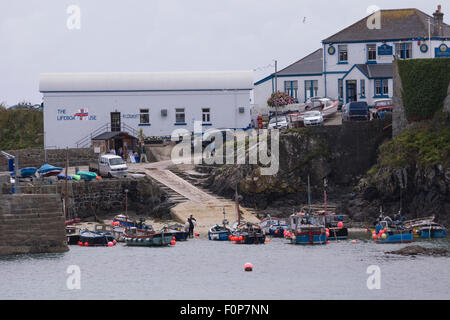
[438, 22]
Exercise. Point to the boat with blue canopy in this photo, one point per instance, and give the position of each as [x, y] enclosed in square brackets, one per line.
[28, 172]
[47, 170]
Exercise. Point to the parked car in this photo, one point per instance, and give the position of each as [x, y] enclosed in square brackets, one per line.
[280, 123]
[383, 104]
[356, 110]
[313, 118]
[109, 165]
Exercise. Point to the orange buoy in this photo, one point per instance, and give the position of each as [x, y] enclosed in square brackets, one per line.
[248, 267]
[267, 240]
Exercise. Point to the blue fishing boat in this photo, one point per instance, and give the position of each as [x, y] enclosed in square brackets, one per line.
[307, 229]
[332, 224]
[127, 222]
[433, 230]
[220, 232]
[248, 233]
[28, 172]
[47, 170]
[388, 232]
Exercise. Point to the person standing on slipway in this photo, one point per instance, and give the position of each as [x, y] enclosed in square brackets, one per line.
[192, 223]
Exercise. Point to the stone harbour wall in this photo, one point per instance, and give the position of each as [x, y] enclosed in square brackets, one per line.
[31, 224]
[57, 157]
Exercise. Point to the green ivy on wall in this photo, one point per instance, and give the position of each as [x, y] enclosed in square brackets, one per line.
[425, 84]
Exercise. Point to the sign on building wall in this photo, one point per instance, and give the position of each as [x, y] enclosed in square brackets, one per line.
[385, 50]
[80, 114]
[442, 51]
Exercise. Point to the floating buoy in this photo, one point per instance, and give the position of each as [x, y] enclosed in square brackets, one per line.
[114, 242]
[197, 234]
[327, 234]
[384, 236]
[113, 223]
[327, 230]
[110, 244]
[173, 242]
[80, 243]
[248, 267]
[354, 241]
[173, 238]
[340, 225]
[374, 236]
[267, 240]
[328, 242]
[230, 237]
[86, 244]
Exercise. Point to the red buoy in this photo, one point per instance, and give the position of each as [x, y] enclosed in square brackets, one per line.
[110, 244]
[114, 242]
[80, 243]
[173, 242]
[197, 234]
[340, 224]
[248, 267]
[86, 244]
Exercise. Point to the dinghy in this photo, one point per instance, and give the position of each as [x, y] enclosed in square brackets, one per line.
[76, 177]
[220, 233]
[28, 172]
[48, 170]
[86, 175]
[179, 232]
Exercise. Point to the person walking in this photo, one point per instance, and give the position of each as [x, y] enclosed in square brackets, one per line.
[192, 221]
[143, 156]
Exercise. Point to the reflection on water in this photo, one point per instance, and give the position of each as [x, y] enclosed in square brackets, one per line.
[202, 269]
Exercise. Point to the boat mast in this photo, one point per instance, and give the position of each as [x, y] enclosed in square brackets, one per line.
[309, 197]
[65, 193]
[236, 197]
[325, 183]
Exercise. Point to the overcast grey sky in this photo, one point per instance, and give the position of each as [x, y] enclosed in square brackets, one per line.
[167, 35]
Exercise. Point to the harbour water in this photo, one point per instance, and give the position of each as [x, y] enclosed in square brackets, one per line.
[204, 270]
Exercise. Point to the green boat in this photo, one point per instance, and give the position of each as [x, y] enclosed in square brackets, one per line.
[141, 238]
[86, 175]
[76, 177]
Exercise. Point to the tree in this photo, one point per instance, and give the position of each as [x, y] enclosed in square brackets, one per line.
[280, 99]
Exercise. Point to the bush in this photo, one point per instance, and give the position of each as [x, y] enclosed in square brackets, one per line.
[425, 84]
[21, 129]
[280, 99]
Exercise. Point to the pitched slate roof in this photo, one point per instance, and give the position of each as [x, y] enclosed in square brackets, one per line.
[395, 24]
[381, 70]
[312, 64]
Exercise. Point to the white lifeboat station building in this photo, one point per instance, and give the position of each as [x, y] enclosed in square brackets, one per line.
[355, 64]
[80, 106]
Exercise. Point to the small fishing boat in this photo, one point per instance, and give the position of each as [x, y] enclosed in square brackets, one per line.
[248, 233]
[48, 170]
[433, 230]
[86, 175]
[418, 223]
[388, 232]
[307, 229]
[245, 232]
[278, 228]
[28, 172]
[127, 222]
[95, 238]
[332, 221]
[179, 232]
[76, 177]
[267, 223]
[139, 238]
[220, 232]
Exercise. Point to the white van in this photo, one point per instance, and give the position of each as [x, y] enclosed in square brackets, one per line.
[110, 165]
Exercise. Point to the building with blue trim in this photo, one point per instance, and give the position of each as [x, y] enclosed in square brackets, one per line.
[355, 64]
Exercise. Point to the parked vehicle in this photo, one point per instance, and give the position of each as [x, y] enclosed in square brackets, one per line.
[383, 104]
[280, 123]
[313, 118]
[109, 165]
[356, 110]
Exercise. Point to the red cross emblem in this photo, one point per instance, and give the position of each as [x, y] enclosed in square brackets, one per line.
[82, 113]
